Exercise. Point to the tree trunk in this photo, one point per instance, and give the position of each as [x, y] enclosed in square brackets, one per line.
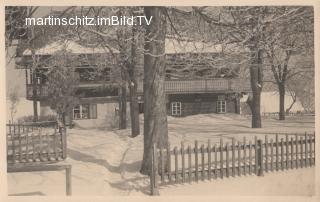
[134, 110]
[256, 86]
[122, 107]
[155, 116]
[282, 92]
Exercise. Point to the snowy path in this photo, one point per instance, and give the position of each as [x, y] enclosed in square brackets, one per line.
[108, 162]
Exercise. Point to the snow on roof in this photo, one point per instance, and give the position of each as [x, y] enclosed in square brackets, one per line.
[69, 46]
[173, 46]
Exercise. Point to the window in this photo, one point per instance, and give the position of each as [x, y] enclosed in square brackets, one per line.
[176, 108]
[221, 106]
[85, 111]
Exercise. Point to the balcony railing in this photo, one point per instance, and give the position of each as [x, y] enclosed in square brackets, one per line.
[171, 86]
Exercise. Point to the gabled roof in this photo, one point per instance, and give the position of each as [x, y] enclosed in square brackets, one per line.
[69, 46]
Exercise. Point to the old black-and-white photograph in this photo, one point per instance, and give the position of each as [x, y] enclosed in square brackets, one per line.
[140, 101]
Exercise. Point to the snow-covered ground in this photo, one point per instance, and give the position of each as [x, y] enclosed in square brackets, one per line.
[108, 162]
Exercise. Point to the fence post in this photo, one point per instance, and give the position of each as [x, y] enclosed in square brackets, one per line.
[260, 158]
[154, 172]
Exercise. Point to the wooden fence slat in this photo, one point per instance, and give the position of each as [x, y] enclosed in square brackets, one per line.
[55, 145]
[239, 158]
[161, 164]
[215, 161]
[41, 147]
[176, 164]
[183, 163]
[189, 164]
[233, 159]
[260, 158]
[20, 145]
[291, 153]
[287, 151]
[33, 147]
[277, 152]
[227, 160]
[196, 160]
[282, 154]
[250, 157]
[27, 146]
[311, 150]
[169, 163]
[267, 153]
[306, 149]
[202, 162]
[245, 156]
[48, 147]
[221, 158]
[297, 153]
[209, 160]
[13, 144]
[301, 153]
[271, 155]
[256, 155]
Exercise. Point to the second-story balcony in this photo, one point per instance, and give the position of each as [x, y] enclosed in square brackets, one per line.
[216, 85]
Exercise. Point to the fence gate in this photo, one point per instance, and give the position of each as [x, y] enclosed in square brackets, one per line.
[232, 158]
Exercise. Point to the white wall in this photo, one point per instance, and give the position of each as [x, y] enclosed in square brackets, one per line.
[24, 108]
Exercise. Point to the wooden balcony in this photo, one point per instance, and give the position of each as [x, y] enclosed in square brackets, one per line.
[171, 87]
[203, 86]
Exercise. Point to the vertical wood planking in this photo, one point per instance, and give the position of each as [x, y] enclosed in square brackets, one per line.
[189, 164]
[183, 163]
[250, 157]
[221, 158]
[277, 152]
[202, 162]
[196, 160]
[297, 153]
[271, 155]
[292, 154]
[306, 149]
[176, 164]
[169, 162]
[267, 153]
[239, 158]
[245, 156]
[209, 160]
[282, 154]
[301, 153]
[227, 160]
[233, 158]
[256, 155]
[287, 151]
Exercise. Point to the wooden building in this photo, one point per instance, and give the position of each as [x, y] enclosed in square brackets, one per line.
[192, 86]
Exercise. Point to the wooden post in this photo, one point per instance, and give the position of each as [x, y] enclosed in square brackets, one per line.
[291, 147]
[215, 161]
[202, 162]
[196, 160]
[176, 164]
[297, 154]
[169, 162]
[306, 149]
[209, 160]
[64, 142]
[267, 152]
[245, 156]
[271, 154]
[287, 152]
[68, 181]
[189, 164]
[260, 158]
[282, 154]
[277, 152]
[301, 152]
[250, 157]
[227, 159]
[183, 163]
[233, 159]
[239, 158]
[221, 158]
